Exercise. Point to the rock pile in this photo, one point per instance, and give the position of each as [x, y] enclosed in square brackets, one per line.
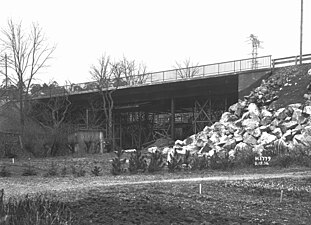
[265, 93]
[253, 125]
[246, 127]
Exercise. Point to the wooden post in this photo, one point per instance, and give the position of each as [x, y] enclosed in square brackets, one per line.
[139, 130]
[87, 119]
[172, 118]
[101, 142]
[301, 21]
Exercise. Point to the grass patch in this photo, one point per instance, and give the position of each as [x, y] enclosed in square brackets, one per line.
[39, 209]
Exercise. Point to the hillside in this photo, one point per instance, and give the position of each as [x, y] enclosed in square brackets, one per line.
[292, 83]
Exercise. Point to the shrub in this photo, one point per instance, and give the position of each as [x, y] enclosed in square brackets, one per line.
[137, 162]
[63, 171]
[29, 170]
[282, 161]
[52, 171]
[4, 172]
[78, 171]
[156, 162]
[286, 160]
[217, 163]
[175, 163]
[245, 159]
[96, 171]
[303, 160]
[118, 162]
[199, 163]
[186, 161]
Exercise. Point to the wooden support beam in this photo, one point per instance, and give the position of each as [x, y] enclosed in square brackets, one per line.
[173, 118]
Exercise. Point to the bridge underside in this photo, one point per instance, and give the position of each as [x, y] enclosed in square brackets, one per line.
[144, 114]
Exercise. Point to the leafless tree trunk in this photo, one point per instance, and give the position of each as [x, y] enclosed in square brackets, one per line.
[52, 115]
[27, 54]
[105, 73]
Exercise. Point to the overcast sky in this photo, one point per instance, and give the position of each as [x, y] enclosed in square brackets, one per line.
[159, 32]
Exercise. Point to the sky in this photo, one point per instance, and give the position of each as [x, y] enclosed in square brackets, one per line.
[158, 33]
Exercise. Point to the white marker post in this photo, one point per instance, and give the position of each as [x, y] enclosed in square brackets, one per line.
[13, 160]
[200, 188]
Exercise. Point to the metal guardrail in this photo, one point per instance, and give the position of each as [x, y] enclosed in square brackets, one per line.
[173, 75]
[291, 60]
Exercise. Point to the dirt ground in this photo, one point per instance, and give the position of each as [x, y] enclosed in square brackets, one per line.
[225, 198]
[220, 202]
[241, 196]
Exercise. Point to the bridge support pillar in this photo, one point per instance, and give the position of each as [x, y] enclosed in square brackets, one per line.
[173, 118]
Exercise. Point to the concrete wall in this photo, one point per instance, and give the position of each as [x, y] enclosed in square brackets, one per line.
[251, 79]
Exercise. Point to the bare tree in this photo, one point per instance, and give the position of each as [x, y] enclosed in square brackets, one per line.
[132, 72]
[52, 115]
[27, 54]
[186, 69]
[104, 74]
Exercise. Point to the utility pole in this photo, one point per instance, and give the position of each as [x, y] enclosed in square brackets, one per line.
[301, 20]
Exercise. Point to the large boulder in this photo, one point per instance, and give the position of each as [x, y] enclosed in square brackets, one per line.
[288, 125]
[266, 120]
[237, 109]
[307, 110]
[249, 139]
[227, 117]
[265, 113]
[266, 138]
[253, 109]
[250, 124]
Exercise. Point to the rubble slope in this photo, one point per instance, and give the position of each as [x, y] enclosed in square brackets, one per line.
[275, 116]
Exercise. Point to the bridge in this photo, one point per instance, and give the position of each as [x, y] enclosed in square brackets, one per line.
[173, 103]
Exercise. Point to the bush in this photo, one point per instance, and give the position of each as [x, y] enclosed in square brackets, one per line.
[156, 162]
[52, 171]
[78, 171]
[36, 210]
[199, 163]
[63, 171]
[245, 159]
[96, 171]
[29, 170]
[287, 160]
[137, 162]
[186, 161]
[175, 163]
[118, 162]
[217, 163]
[4, 172]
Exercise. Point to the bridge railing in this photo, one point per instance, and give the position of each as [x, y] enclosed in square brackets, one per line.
[291, 60]
[174, 75]
[208, 70]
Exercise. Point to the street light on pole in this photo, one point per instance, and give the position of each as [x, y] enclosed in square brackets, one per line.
[301, 20]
